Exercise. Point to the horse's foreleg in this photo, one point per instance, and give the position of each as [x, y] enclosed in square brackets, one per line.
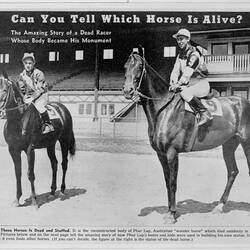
[16, 156]
[170, 168]
[53, 161]
[64, 149]
[165, 167]
[31, 175]
[228, 148]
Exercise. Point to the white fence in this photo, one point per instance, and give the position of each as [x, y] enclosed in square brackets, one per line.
[228, 63]
[130, 129]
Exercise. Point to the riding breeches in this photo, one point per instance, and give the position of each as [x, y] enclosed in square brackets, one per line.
[39, 103]
[198, 87]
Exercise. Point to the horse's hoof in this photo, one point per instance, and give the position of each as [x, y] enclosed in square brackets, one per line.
[21, 201]
[15, 203]
[34, 203]
[62, 194]
[169, 219]
[218, 209]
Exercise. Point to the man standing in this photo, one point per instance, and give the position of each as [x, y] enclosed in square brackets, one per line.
[34, 88]
[189, 77]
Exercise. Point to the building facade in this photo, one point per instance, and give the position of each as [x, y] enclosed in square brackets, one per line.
[227, 59]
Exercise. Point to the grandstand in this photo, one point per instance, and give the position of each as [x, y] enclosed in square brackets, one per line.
[84, 80]
[71, 68]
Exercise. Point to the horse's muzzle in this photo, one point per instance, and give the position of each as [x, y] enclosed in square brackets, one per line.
[128, 94]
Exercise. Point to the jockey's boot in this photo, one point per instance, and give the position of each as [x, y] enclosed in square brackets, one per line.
[47, 127]
[200, 109]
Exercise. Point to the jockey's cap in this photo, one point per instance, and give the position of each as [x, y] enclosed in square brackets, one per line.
[29, 56]
[182, 32]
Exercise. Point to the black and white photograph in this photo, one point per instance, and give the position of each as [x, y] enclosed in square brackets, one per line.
[124, 128]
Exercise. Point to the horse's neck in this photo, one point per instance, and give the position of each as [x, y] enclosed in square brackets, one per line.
[13, 123]
[13, 116]
[157, 89]
[154, 84]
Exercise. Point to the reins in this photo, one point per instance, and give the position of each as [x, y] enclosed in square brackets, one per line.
[137, 91]
[17, 107]
[166, 104]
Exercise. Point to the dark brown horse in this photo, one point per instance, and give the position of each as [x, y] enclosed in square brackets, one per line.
[9, 94]
[171, 129]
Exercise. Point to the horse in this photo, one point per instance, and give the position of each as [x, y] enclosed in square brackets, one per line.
[12, 105]
[171, 128]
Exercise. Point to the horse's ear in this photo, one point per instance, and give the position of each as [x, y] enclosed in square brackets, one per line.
[5, 75]
[141, 50]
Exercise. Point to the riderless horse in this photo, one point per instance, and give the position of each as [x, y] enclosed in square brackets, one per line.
[172, 129]
[9, 96]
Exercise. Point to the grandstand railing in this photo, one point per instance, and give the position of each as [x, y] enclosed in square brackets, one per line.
[228, 63]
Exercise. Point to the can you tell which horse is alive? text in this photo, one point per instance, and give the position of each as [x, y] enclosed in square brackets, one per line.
[114, 18]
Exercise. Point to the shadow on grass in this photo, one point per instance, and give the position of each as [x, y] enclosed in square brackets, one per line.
[191, 206]
[45, 197]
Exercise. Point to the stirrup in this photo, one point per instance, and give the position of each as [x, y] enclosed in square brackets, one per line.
[47, 128]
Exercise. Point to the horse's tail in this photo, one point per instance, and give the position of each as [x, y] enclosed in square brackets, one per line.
[72, 144]
[71, 137]
[68, 134]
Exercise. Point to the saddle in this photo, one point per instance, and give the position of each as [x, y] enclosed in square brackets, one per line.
[211, 103]
[31, 113]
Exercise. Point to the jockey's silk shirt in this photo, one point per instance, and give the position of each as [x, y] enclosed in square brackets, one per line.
[32, 83]
[186, 66]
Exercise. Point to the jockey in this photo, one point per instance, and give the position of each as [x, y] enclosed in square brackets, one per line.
[34, 88]
[188, 76]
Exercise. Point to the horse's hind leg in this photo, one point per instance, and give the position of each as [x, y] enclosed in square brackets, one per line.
[64, 149]
[228, 148]
[53, 160]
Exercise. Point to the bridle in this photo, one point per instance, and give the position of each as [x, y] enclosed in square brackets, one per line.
[137, 91]
[10, 93]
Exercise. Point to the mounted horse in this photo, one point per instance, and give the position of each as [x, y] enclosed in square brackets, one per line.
[172, 129]
[11, 103]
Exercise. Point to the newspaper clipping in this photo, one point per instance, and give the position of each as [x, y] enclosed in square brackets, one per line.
[124, 128]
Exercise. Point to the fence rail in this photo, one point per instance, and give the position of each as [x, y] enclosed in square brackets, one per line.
[103, 127]
[228, 63]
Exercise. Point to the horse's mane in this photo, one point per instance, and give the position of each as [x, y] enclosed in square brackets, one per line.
[17, 90]
[162, 84]
[157, 75]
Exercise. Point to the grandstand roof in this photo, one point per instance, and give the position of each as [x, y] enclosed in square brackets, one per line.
[68, 74]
